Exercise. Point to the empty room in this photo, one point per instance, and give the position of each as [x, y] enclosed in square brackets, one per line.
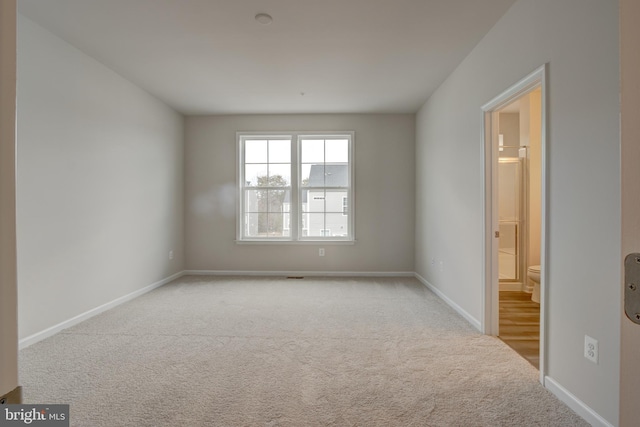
[297, 212]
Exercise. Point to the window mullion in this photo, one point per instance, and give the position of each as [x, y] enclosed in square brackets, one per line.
[294, 209]
[324, 190]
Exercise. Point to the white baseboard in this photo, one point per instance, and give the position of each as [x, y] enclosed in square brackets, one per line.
[469, 318]
[577, 405]
[299, 273]
[39, 336]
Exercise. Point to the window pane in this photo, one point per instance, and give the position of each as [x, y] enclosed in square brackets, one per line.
[255, 151]
[334, 200]
[279, 175]
[256, 201]
[286, 221]
[315, 224]
[315, 200]
[336, 175]
[277, 199]
[312, 150]
[256, 224]
[337, 151]
[304, 175]
[256, 175]
[313, 175]
[338, 224]
[275, 227]
[279, 151]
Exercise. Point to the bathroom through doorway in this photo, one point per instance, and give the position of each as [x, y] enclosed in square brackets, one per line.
[514, 217]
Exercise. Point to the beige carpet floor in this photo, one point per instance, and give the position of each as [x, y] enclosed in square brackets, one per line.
[205, 351]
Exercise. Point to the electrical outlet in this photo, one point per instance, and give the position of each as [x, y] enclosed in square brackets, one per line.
[441, 265]
[321, 252]
[433, 261]
[591, 349]
[171, 254]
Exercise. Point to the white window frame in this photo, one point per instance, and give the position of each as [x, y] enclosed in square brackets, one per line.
[296, 235]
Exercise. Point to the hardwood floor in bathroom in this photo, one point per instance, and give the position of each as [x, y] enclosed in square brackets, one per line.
[520, 324]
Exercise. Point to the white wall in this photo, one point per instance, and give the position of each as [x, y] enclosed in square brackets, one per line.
[579, 41]
[100, 183]
[384, 195]
[8, 287]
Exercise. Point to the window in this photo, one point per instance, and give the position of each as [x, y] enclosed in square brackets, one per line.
[295, 187]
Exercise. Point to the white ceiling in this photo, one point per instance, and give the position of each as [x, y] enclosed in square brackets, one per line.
[317, 56]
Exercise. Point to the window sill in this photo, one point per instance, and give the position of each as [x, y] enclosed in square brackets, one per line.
[295, 242]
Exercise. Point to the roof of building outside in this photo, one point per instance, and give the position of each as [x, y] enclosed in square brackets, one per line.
[329, 176]
[336, 176]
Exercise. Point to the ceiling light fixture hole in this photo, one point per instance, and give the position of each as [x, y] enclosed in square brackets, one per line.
[264, 18]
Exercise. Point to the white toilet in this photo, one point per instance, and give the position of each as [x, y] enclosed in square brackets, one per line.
[533, 276]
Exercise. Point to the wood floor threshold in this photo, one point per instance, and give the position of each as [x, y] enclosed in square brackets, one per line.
[520, 324]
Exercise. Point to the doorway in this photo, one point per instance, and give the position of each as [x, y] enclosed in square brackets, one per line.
[515, 223]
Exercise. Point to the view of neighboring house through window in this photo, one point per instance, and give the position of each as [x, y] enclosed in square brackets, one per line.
[324, 184]
[295, 187]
